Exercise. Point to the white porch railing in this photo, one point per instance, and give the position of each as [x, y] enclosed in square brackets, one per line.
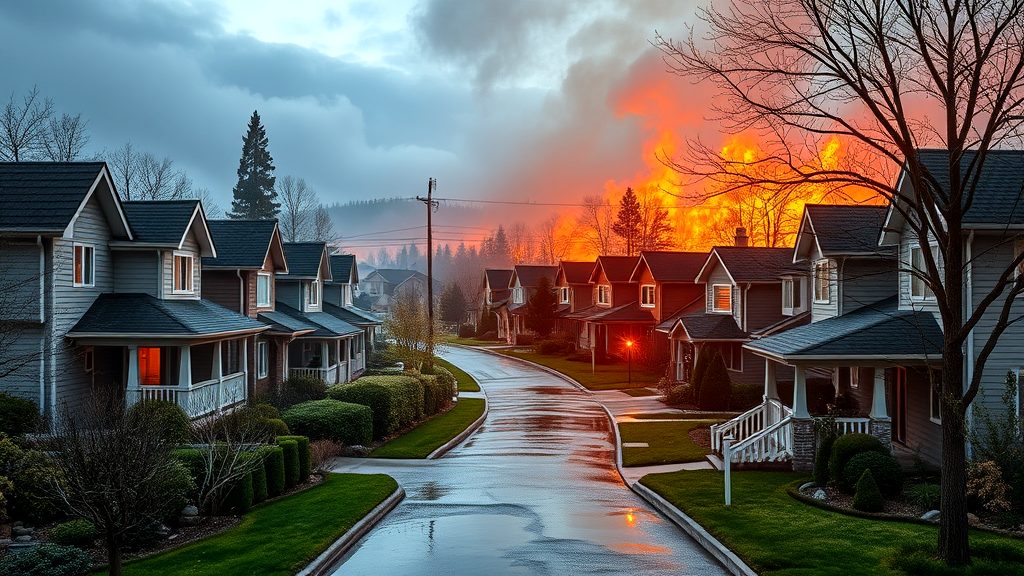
[749, 423]
[358, 363]
[853, 425]
[329, 375]
[200, 399]
[773, 444]
[342, 371]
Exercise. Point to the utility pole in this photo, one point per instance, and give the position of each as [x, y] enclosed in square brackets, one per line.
[431, 205]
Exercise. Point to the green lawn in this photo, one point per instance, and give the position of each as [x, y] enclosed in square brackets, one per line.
[669, 442]
[606, 377]
[466, 382]
[452, 339]
[778, 535]
[279, 537]
[637, 392]
[428, 436]
[682, 415]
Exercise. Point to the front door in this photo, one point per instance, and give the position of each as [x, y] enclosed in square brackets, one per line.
[899, 414]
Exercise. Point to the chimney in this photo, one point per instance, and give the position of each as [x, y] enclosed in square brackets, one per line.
[741, 236]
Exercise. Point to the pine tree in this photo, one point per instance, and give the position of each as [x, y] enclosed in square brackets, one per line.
[628, 223]
[540, 309]
[453, 304]
[254, 194]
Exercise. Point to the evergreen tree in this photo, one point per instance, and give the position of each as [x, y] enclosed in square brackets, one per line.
[453, 304]
[501, 251]
[540, 309]
[254, 194]
[628, 224]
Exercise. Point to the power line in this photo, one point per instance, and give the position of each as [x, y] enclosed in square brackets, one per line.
[522, 203]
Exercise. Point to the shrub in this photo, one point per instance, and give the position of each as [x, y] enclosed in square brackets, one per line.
[264, 410]
[924, 495]
[866, 497]
[700, 367]
[79, 533]
[304, 457]
[383, 358]
[276, 427]
[524, 339]
[436, 395]
[488, 335]
[46, 560]
[193, 461]
[554, 346]
[165, 416]
[344, 422]
[321, 452]
[30, 473]
[847, 446]
[17, 415]
[240, 497]
[445, 377]
[885, 471]
[679, 395]
[716, 388]
[821, 458]
[273, 465]
[291, 462]
[259, 477]
[395, 401]
[986, 487]
[296, 390]
[466, 331]
[745, 396]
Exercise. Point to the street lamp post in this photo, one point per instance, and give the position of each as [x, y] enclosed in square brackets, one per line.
[629, 361]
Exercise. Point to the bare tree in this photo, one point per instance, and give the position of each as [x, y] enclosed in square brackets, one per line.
[595, 224]
[115, 470]
[23, 126]
[801, 71]
[521, 244]
[159, 180]
[224, 446]
[65, 137]
[656, 230]
[407, 325]
[211, 207]
[298, 203]
[323, 225]
[124, 168]
[556, 241]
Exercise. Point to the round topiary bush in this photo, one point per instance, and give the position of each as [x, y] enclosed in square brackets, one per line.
[884, 469]
[847, 446]
[48, 559]
[276, 427]
[303, 454]
[78, 532]
[291, 462]
[867, 497]
[679, 395]
[17, 415]
[264, 410]
[164, 416]
[344, 422]
[273, 465]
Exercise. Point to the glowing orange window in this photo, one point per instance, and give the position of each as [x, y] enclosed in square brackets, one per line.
[149, 366]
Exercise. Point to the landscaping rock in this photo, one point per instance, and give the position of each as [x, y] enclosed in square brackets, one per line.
[190, 521]
[21, 531]
[931, 516]
[973, 520]
[163, 531]
[819, 494]
[356, 451]
[23, 539]
[190, 511]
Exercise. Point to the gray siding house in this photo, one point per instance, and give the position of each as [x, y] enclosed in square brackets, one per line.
[339, 301]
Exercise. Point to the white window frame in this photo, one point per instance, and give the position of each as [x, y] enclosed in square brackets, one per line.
[714, 298]
[517, 295]
[346, 295]
[263, 303]
[932, 404]
[823, 292]
[86, 249]
[89, 359]
[190, 279]
[262, 359]
[926, 292]
[788, 287]
[854, 378]
[563, 294]
[604, 294]
[310, 292]
[654, 296]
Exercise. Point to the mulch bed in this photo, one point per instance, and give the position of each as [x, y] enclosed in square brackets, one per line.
[701, 436]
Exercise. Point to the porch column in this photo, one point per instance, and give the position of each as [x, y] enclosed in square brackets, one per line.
[881, 424]
[284, 359]
[245, 366]
[771, 390]
[217, 373]
[185, 366]
[348, 359]
[132, 382]
[800, 393]
[325, 360]
[803, 424]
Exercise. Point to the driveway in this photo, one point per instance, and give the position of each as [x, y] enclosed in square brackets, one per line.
[533, 491]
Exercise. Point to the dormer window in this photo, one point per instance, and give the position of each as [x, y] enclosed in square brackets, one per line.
[647, 296]
[563, 294]
[517, 295]
[347, 295]
[790, 296]
[919, 289]
[604, 294]
[822, 281]
[313, 293]
[721, 298]
[263, 290]
[183, 272]
[85, 266]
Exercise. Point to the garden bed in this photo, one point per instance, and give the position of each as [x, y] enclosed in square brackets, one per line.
[431, 434]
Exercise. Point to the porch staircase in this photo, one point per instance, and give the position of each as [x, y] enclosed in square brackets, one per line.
[761, 435]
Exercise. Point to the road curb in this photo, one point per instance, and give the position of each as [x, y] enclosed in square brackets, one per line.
[461, 436]
[321, 565]
[551, 371]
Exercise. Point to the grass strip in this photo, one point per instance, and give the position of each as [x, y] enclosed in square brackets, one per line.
[606, 377]
[466, 382]
[668, 442]
[431, 434]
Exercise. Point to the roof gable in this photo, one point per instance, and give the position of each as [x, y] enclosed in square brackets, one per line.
[837, 229]
[614, 268]
[497, 278]
[306, 260]
[167, 223]
[574, 272]
[666, 266]
[746, 264]
[343, 269]
[246, 244]
[529, 276]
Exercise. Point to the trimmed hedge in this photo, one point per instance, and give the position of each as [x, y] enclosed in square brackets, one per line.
[273, 465]
[277, 427]
[240, 497]
[291, 462]
[304, 455]
[193, 461]
[164, 416]
[259, 478]
[867, 498]
[884, 469]
[17, 415]
[345, 422]
[437, 395]
[446, 378]
[264, 410]
[847, 446]
[394, 401]
[78, 532]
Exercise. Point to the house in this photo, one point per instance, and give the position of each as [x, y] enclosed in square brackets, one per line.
[339, 301]
[385, 284]
[743, 292]
[324, 352]
[666, 285]
[523, 285]
[572, 285]
[616, 315]
[242, 278]
[496, 294]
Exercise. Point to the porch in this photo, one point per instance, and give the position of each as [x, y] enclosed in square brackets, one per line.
[333, 361]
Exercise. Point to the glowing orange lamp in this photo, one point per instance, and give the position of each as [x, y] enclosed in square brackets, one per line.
[629, 362]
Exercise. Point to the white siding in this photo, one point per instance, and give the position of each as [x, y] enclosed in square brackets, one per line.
[191, 246]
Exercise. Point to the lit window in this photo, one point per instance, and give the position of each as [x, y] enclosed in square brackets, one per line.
[822, 281]
[263, 290]
[563, 295]
[918, 287]
[183, 273]
[647, 295]
[721, 300]
[85, 266]
[604, 294]
[313, 293]
[149, 366]
[263, 359]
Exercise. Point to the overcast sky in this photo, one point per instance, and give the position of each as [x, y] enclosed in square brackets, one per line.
[537, 98]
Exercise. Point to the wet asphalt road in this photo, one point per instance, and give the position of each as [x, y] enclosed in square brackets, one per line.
[533, 491]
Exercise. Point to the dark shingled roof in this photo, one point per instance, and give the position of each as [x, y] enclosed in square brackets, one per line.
[352, 315]
[160, 221]
[754, 264]
[576, 272]
[38, 196]
[327, 326]
[113, 314]
[998, 198]
[303, 259]
[706, 326]
[341, 268]
[240, 243]
[498, 279]
[616, 268]
[846, 229]
[529, 276]
[674, 266]
[630, 313]
[282, 323]
[877, 330]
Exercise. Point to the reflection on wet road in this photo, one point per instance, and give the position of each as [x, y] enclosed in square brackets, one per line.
[533, 491]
